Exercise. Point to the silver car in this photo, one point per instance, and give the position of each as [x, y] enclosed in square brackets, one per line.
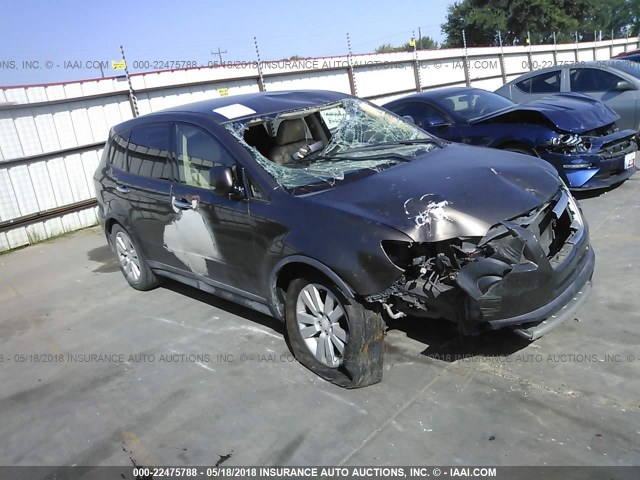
[614, 82]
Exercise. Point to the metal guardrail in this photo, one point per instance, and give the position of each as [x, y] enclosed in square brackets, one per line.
[46, 214]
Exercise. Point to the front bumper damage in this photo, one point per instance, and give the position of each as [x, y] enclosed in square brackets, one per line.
[608, 160]
[529, 273]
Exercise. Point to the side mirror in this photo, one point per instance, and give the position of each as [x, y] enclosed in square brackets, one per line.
[221, 180]
[436, 121]
[622, 86]
[409, 119]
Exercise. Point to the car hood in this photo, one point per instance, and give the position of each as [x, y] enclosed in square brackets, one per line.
[454, 191]
[570, 112]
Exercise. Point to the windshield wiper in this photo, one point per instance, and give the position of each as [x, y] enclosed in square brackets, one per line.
[374, 146]
[364, 158]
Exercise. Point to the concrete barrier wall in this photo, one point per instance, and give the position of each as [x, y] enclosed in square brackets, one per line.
[51, 136]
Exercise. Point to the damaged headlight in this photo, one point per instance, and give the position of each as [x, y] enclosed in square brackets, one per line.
[444, 257]
[399, 253]
[567, 142]
[575, 208]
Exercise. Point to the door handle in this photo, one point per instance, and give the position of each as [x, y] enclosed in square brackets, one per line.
[181, 204]
[122, 188]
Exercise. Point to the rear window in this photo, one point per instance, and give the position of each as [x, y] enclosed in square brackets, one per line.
[148, 151]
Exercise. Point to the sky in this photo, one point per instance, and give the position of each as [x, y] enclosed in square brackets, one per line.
[51, 41]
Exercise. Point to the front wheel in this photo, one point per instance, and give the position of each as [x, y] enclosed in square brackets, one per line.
[339, 340]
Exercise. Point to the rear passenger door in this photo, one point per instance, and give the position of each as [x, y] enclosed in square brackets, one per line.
[146, 186]
[210, 234]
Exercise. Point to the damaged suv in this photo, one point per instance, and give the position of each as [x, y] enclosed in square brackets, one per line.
[329, 213]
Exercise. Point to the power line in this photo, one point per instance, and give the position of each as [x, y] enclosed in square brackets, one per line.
[219, 53]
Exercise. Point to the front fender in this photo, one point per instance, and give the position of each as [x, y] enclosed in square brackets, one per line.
[275, 304]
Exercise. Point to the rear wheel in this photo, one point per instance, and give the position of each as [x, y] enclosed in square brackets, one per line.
[337, 339]
[132, 263]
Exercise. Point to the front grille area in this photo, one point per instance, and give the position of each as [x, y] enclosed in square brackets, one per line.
[614, 150]
[551, 223]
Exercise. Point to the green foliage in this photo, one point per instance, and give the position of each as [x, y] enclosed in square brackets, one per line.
[425, 43]
[516, 19]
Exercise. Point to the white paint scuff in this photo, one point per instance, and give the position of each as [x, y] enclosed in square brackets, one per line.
[426, 213]
[190, 239]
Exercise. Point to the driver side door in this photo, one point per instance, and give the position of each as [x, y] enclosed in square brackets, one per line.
[210, 233]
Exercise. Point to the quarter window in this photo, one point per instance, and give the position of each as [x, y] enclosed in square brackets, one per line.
[148, 151]
[197, 151]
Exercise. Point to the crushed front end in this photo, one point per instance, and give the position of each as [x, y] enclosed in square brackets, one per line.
[596, 159]
[527, 273]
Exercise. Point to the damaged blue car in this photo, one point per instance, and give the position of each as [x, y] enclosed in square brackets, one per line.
[575, 133]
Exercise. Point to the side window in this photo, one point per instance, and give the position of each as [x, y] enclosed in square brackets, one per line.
[148, 152]
[525, 85]
[591, 80]
[548, 82]
[117, 150]
[423, 115]
[197, 151]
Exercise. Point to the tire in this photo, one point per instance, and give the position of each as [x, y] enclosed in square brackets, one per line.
[360, 332]
[132, 263]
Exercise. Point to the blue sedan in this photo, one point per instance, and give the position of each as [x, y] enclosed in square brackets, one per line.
[575, 133]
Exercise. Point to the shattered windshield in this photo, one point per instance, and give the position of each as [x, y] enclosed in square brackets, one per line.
[331, 143]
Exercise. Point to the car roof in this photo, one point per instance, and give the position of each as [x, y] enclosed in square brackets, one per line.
[601, 64]
[438, 93]
[237, 107]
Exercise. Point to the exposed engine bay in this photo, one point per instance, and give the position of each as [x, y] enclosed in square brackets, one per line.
[475, 281]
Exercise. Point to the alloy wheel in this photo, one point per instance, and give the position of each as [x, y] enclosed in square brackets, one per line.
[323, 324]
[128, 256]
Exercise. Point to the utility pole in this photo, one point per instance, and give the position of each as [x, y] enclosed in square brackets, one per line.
[219, 53]
[419, 38]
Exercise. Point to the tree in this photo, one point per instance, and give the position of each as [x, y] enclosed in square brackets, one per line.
[519, 20]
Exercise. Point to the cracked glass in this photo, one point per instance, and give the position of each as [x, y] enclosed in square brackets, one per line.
[362, 138]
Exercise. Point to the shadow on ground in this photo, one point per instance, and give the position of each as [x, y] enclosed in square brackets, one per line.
[226, 305]
[106, 257]
[441, 338]
[583, 195]
[444, 342]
